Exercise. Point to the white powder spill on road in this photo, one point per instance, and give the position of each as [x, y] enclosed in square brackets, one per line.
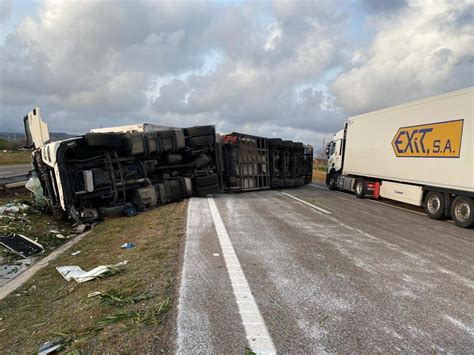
[255, 328]
[188, 336]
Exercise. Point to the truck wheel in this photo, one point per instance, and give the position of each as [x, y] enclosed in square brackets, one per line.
[332, 182]
[275, 142]
[103, 140]
[201, 141]
[201, 181]
[435, 205]
[359, 188]
[199, 131]
[462, 211]
[204, 191]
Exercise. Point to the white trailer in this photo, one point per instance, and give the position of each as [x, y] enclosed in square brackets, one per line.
[420, 153]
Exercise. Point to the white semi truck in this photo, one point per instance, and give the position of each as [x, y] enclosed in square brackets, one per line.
[420, 153]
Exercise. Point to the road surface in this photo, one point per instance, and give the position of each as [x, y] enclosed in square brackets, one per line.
[312, 271]
[11, 170]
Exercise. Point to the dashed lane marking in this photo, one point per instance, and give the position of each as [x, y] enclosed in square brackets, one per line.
[307, 203]
[255, 329]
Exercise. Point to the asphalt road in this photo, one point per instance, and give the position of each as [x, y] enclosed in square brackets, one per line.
[312, 271]
[12, 170]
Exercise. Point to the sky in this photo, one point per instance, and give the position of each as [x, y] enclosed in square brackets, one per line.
[295, 70]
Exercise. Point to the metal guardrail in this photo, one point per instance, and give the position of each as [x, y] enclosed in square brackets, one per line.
[15, 181]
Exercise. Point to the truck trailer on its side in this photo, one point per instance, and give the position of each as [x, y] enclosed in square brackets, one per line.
[420, 153]
[119, 170]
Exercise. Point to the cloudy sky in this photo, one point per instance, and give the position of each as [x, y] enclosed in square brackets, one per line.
[290, 69]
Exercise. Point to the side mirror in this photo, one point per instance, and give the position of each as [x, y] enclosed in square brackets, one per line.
[327, 150]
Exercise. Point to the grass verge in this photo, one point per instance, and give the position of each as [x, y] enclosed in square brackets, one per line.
[15, 157]
[319, 173]
[129, 315]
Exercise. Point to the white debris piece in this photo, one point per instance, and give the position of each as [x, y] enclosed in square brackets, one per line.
[76, 273]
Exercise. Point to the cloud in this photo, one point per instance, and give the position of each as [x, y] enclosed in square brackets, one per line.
[426, 50]
[5, 10]
[294, 69]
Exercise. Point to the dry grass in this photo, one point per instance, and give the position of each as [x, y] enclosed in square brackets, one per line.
[319, 173]
[15, 157]
[48, 306]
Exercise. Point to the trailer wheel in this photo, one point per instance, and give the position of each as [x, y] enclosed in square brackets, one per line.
[103, 140]
[199, 131]
[332, 182]
[205, 190]
[462, 211]
[359, 188]
[435, 205]
[201, 141]
[275, 142]
[201, 181]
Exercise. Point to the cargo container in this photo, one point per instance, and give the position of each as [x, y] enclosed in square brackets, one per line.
[420, 153]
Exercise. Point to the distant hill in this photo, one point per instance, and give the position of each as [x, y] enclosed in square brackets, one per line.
[20, 136]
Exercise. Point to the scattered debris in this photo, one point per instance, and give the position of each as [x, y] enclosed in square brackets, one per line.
[60, 236]
[54, 231]
[34, 185]
[20, 244]
[50, 346]
[216, 254]
[93, 294]
[127, 246]
[77, 252]
[80, 229]
[13, 208]
[79, 275]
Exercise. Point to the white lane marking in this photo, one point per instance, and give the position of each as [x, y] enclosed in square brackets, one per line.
[307, 203]
[319, 187]
[257, 333]
[400, 208]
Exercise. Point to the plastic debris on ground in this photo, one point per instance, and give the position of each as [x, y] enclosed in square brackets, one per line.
[20, 244]
[93, 294]
[79, 275]
[127, 246]
[13, 208]
[9, 272]
[77, 252]
[50, 346]
[34, 185]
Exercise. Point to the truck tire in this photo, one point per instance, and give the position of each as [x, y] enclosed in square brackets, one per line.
[202, 181]
[359, 188]
[112, 140]
[201, 141]
[332, 182]
[435, 205]
[206, 190]
[298, 145]
[462, 211]
[275, 142]
[199, 131]
[288, 144]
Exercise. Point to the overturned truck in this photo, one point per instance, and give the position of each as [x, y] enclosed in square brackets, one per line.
[119, 170]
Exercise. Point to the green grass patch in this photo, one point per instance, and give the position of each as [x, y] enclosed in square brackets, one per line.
[130, 313]
[15, 157]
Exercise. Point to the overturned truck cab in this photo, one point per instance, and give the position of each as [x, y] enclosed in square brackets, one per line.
[121, 170]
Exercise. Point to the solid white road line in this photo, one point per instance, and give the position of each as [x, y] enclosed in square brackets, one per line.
[256, 331]
[318, 186]
[307, 203]
[400, 208]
